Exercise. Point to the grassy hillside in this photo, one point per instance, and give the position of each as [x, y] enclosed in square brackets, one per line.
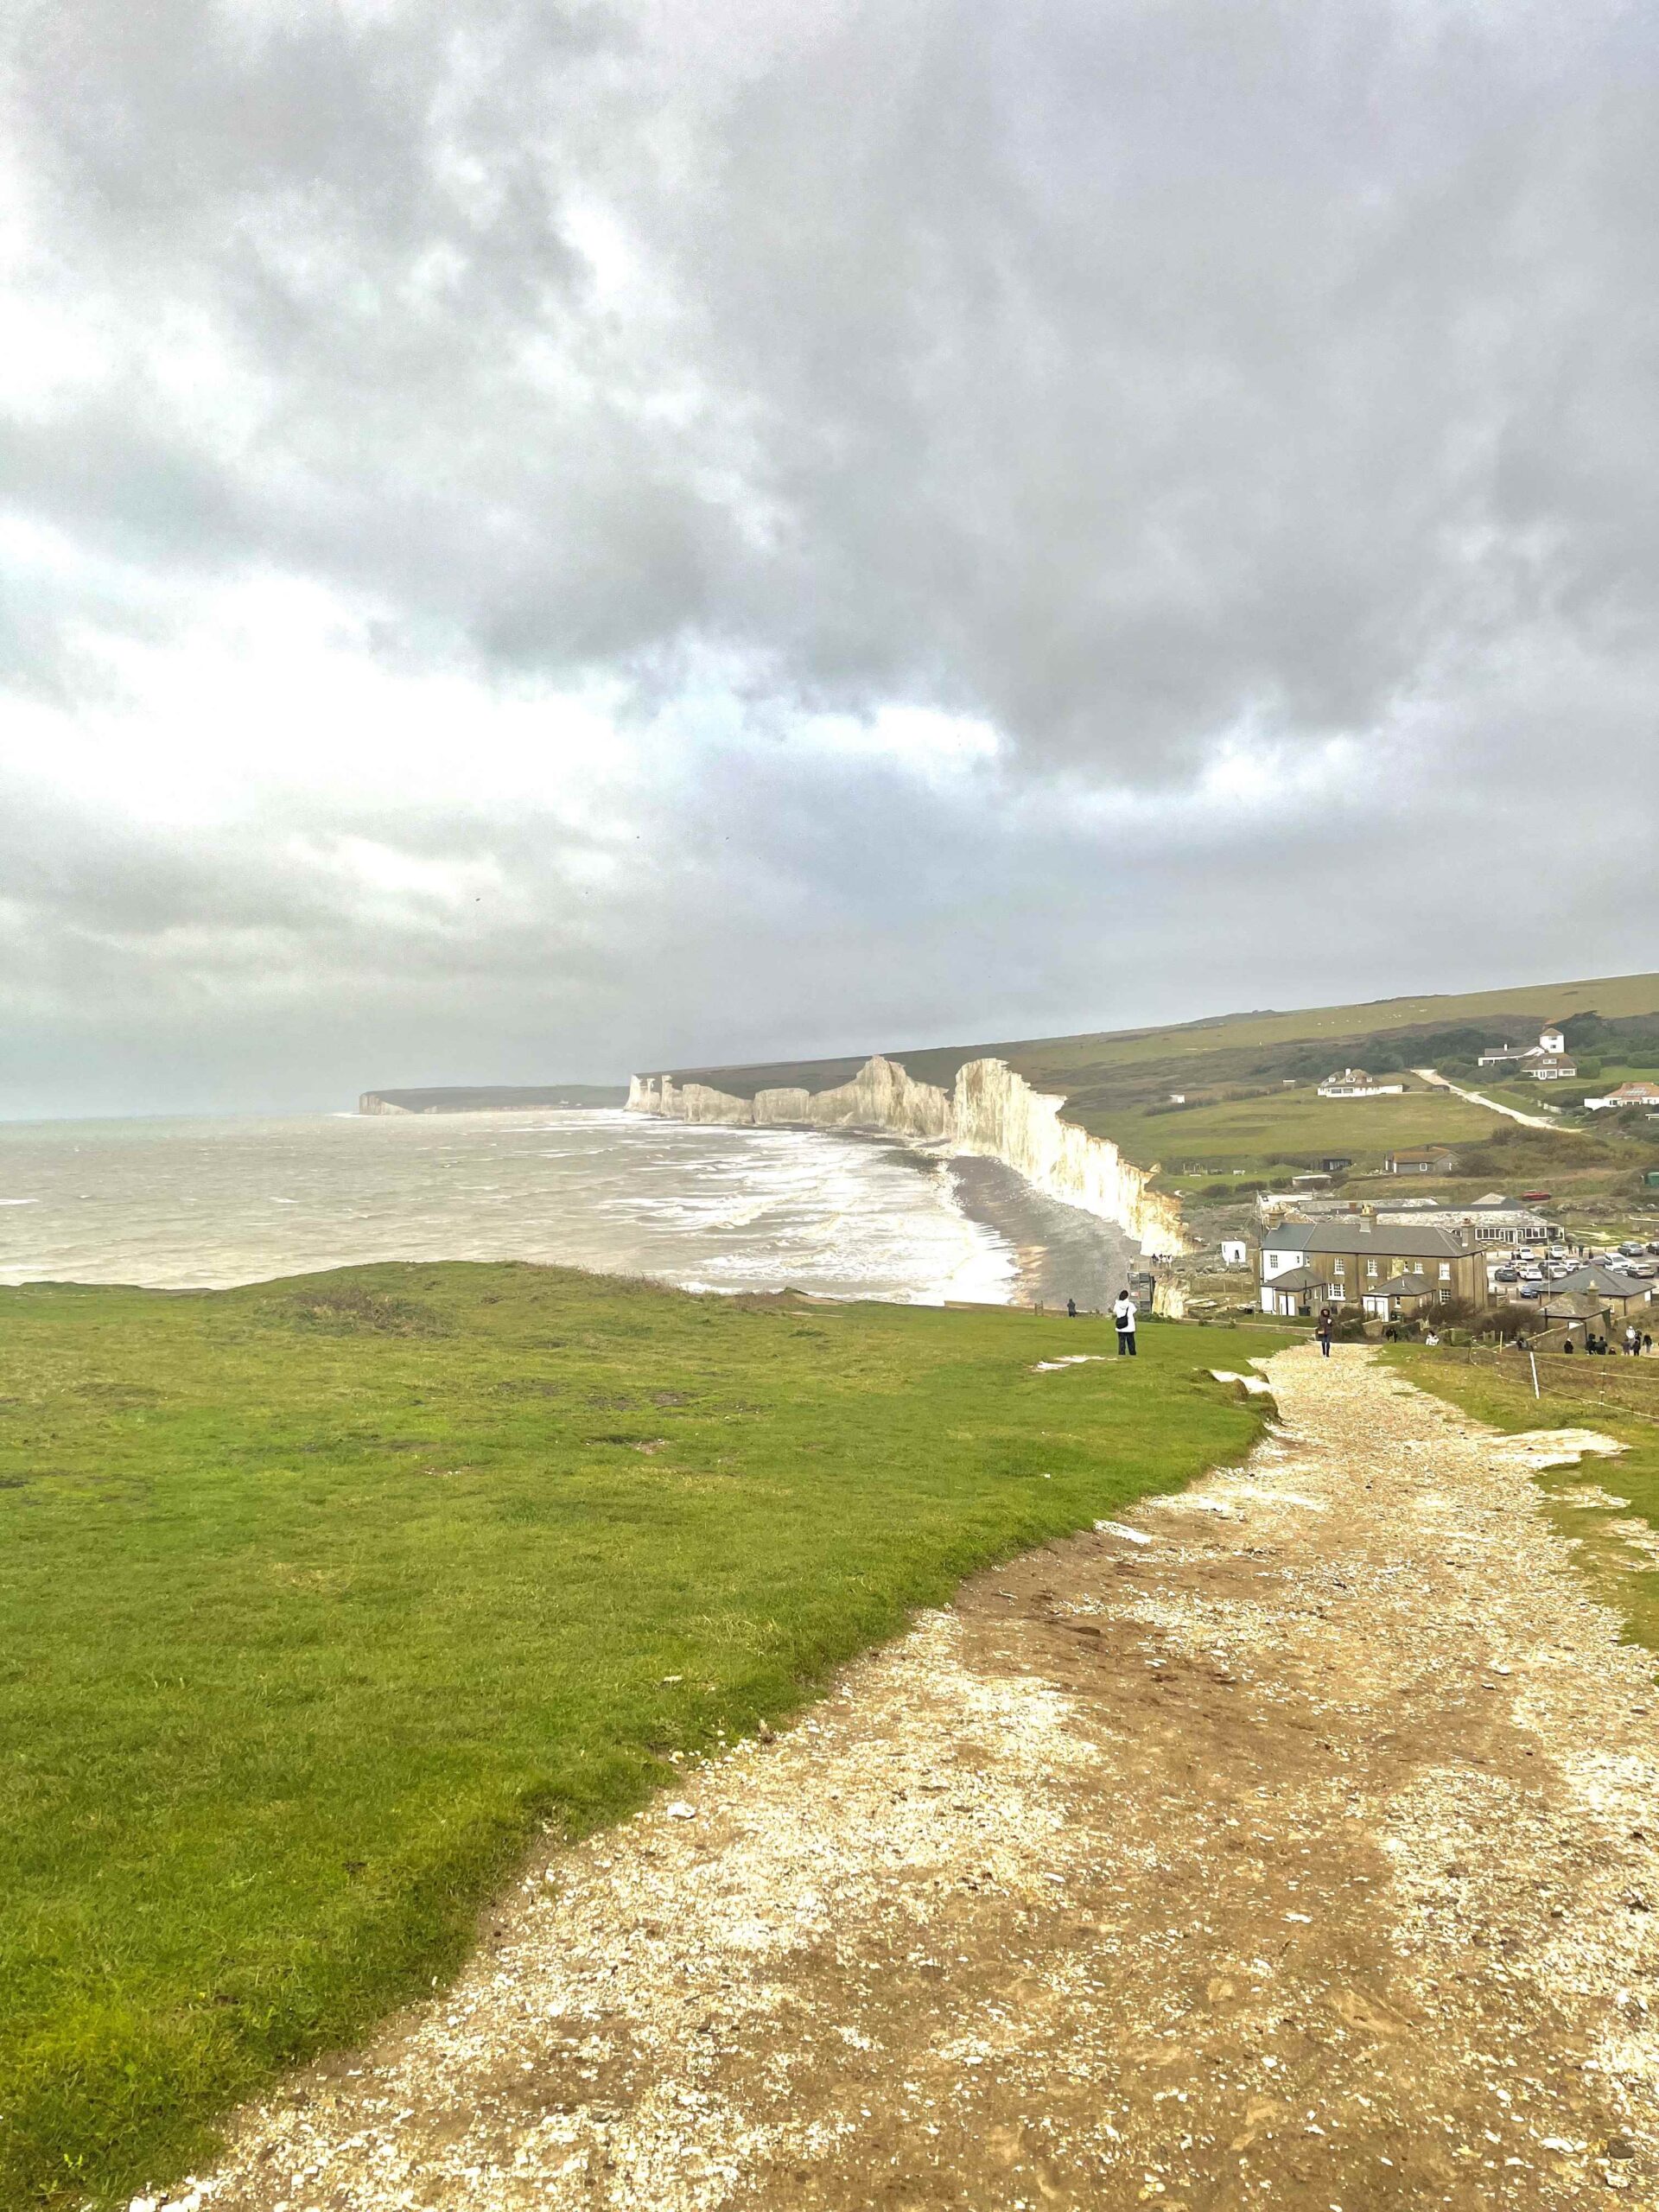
[316, 1596]
[1253, 1134]
[1250, 1080]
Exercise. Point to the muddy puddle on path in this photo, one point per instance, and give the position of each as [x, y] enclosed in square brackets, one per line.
[1307, 1853]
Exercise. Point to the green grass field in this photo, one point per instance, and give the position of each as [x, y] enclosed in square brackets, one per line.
[1616, 1395]
[317, 1595]
[1613, 995]
[1112, 1080]
[1247, 1133]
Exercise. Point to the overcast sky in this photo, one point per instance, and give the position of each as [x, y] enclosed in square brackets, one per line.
[541, 540]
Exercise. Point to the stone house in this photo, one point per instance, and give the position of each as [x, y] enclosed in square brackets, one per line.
[1301, 1266]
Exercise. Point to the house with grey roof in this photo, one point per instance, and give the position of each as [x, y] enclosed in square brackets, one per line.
[1301, 1266]
[1621, 1297]
[1401, 1297]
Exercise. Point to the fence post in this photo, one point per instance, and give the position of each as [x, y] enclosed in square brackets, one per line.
[1536, 1392]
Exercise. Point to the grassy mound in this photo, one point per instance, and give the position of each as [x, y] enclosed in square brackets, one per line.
[315, 1596]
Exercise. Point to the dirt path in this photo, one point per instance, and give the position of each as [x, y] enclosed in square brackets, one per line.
[1302, 1854]
[1479, 1099]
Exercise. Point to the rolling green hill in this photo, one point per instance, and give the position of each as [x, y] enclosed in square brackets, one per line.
[318, 1596]
[1248, 1082]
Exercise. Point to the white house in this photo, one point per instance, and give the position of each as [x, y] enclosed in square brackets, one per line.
[1235, 1252]
[1628, 1094]
[1354, 1083]
[1546, 1062]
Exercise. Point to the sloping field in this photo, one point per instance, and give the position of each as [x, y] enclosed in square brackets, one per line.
[1249, 1133]
[317, 1597]
[1288, 1842]
[1233, 1071]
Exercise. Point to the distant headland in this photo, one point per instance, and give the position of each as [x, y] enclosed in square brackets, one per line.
[492, 1098]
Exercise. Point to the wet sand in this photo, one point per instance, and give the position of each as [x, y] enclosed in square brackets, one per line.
[1062, 1252]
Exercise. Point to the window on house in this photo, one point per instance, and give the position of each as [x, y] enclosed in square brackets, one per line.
[1370, 1266]
[1444, 1296]
[1445, 1270]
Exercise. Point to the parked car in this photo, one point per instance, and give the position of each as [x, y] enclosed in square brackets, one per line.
[1532, 1290]
[1633, 1250]
[1506, 1274]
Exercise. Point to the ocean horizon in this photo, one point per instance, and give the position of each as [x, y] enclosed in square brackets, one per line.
[207, 1202]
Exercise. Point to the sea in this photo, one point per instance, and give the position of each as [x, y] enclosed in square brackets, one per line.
[204, 1203]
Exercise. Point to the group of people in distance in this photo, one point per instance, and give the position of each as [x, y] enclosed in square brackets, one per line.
[1123, 1319]
[1637, 1342]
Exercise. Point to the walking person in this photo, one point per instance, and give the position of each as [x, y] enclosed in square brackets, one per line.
[1070, 1309]
[1123, 1316]
[1322, 1330]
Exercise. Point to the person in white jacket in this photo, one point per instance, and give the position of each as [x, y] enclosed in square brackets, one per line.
[1123, 1316]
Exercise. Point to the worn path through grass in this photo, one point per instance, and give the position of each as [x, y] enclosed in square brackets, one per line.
[318, 1598]
[1290, 1842]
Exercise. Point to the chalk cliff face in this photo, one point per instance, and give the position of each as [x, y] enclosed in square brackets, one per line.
[991, 1110]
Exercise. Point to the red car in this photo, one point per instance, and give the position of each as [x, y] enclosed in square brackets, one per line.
[1536, 1198]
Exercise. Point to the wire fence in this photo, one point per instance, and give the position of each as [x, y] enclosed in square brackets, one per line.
[1627, 1386]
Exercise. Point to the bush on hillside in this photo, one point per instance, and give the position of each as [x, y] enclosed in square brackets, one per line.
[1507, 1322]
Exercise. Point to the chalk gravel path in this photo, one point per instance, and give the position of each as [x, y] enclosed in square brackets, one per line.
[1306, 1853]
[1479, 1099]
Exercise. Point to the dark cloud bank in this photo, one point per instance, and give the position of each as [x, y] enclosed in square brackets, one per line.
[1071, 515]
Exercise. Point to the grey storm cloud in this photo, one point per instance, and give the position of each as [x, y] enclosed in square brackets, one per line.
[1111, 373]
[1147, 385]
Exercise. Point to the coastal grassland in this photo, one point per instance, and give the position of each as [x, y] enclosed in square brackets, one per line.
[1182, 1054]
[1615, 997]
[1249, 1133]
[317, 1595]
[1239, 1119]
[1617, 1547]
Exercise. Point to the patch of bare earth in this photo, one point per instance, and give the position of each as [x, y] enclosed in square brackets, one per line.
[1306, 1854]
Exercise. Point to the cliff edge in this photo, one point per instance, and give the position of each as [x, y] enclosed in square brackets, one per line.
[989, 1109]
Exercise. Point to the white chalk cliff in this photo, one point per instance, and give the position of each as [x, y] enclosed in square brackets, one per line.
[990, 1111]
